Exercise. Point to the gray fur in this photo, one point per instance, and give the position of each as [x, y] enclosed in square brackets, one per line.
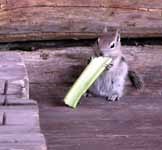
[111, 83]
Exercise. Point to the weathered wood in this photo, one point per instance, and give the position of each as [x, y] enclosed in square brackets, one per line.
[19, 22]
[2, 99]
[1, 118]
[130, 116]
[6, 57]
[18, 129]
[12, 4]
[13, 74]
[113, 142]
[19, 102]
[23, 146]
[132, 123]
[2, 86]
[97, 123]
[21, 126]
[19, 116]
[25, 115]
[22, 141]
[52, 75]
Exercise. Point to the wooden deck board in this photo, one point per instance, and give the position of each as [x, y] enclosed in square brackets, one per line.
[109, 142]
[132, 123]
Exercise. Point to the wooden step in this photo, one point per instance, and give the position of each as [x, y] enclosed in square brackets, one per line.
[13, 75]
[22, 141]
[19, 115]
[19, 121]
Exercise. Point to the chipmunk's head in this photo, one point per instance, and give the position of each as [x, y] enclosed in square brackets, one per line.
[109, 44]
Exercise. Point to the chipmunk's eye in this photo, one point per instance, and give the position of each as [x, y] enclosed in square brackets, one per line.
[112, 45]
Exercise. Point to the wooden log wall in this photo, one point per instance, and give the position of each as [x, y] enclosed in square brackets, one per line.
[53, 71]
[60, 19]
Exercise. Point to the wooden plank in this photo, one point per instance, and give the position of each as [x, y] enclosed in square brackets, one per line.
[2, 86]
[18, 129]
[131, 123]
[125, 4]
[14, 73]
[18, 96]
[23, 146]
[1, 118]
[16, 115]
[129, 116]
[2, 99]
[52, 78]
[20, 102]
[11, 57]
[16, 119]
[113, 142]
[21, 24]
[22, 141]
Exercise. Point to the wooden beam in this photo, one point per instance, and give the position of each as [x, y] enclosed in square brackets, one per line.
[146, 60]
[135, 4]
[44, 20]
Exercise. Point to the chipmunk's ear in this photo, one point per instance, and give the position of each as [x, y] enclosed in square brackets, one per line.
[117, 36]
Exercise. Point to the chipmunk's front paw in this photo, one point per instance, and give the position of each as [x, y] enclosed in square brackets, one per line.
[113, 97]
[90, 59]
[109, 66]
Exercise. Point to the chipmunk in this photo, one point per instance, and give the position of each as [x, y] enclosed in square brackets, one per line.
[111, 82]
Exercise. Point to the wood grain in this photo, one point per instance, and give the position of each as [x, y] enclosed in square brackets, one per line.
[22, 141]
[145, 60]
[2, 86]
[2, 97]
[125, 4]
[19, 117]
[1, 118]
[130, 123]
[20, 102]
[42, 20]
[13, 73]
[133, 123]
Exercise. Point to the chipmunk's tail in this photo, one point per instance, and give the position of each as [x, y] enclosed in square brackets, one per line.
[135, 79]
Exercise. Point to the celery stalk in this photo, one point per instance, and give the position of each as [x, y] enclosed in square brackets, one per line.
[85, 80]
